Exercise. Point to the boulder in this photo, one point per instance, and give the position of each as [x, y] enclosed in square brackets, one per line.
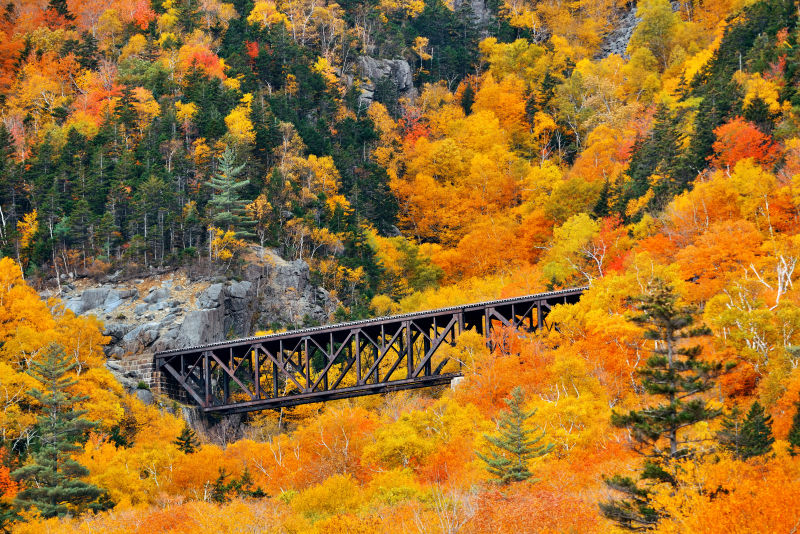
[116, 331]
[201, 327]
[140, 337]
[211, 297]
[240, 290]
[373, 70]
[145, 395]
[88, 300]
[126, 379]
[94, 297]
[75, 305]
[109, 307]
[157, 296]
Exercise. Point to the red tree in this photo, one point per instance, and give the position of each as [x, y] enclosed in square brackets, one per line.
[739, 139]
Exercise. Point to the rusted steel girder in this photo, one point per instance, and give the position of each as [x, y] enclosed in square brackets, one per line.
[345, 360]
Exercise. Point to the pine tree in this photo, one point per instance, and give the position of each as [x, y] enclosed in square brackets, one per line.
[187, 440]
[673, 373]
[124, 111]
[52, 481]
[730, 435]
[226, 207]
[60, 7]
[794, 431]
[757, 436]
[223, 490]
[220, 491]
[467, 99]
[8, 515]
[517, 447]
[748, 437]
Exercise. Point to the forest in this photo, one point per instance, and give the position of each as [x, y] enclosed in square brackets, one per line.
[525, 154]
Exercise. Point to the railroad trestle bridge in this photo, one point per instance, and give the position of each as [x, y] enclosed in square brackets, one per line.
[344, 360]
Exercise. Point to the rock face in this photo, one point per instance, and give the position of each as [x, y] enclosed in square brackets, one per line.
[480, 13]
[283, 293]
[616, 41]
[398, 71]
[176, 312]
[101, 297]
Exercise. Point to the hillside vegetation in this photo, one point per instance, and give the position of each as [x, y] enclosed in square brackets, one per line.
[157, 133]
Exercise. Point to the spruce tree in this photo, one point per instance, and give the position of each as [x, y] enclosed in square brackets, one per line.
[60, 7]
[124, 111]
[674, 374]
[467, 99]
[187, 440]
[515, 444]
[748, 437]
[226, 207]
[757, 436]
[730, 435]
[52, 482]
[794, 431]
[658, 154]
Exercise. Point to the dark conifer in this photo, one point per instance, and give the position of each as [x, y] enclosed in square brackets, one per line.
[794, 431]
[730, 435]
[748, 437]
[467, 99]
[61, 8]
[124, 111]
[757, 436]
[187, 440]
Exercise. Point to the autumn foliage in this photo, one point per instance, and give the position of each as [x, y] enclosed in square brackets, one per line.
[515, 156]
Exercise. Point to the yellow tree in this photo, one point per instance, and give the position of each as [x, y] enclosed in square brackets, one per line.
[260, 211]
[26, 230]
[240, 127]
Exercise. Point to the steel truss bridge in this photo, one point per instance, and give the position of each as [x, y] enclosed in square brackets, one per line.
[344, 360]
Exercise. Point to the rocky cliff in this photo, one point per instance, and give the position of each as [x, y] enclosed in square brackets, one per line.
[373, 71]
[616, 41]
[146, 315]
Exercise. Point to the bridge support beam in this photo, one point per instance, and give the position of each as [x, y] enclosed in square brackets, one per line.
[347, 360]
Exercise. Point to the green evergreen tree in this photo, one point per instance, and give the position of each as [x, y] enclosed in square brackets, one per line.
[187, 440]
[8, 515]
[60, 7]
[516, 445]
[730, 435]
[757, 436]
[749, 436]
[660, 153]
[52, 482]
[675, 374]
[467, 99]
[223, 490]
[226, 207]
[794, 431]
[220, 491]
[124, 111]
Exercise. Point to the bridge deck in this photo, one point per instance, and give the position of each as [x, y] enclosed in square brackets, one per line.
[344, 360]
